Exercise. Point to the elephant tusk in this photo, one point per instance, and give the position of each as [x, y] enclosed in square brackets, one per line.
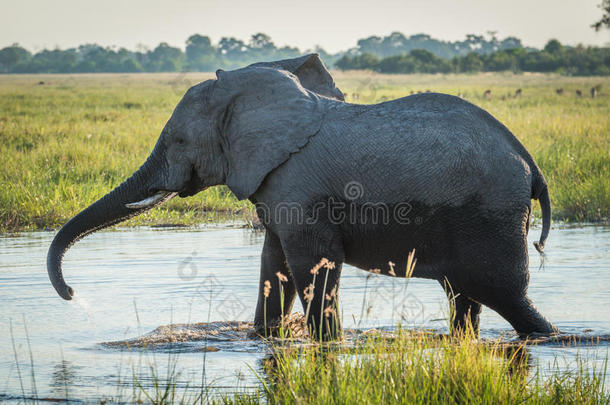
[153, 200]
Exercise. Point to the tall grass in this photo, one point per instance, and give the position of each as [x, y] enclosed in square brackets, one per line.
[66, 140]
[417, 368]
[411, 367]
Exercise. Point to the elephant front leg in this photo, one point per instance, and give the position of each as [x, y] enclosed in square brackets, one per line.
[317, 282]
[316, 275]
[464, 312]
[276, 291]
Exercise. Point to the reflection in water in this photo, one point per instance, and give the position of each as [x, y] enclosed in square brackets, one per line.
[62, 378]
[519, 359]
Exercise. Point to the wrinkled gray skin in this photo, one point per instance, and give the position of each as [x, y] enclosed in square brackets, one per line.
[280, 132]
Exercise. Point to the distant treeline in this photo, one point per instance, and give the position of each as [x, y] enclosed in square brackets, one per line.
[199, 55]
[394, 53]
[576, 61]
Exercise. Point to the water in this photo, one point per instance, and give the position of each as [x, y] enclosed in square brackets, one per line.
[129, 282]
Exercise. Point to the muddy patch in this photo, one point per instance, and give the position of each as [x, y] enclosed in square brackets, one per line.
[210, 337]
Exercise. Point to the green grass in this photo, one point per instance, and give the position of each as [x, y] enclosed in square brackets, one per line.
[407, 367]
[67, 142]
[420, 369]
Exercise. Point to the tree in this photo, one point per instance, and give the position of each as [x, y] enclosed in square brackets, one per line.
[470, 63]
[11, 56]
[393, 44]
[165, 58]
[200, 53]
[397, 64]
[261, 41]
[231, 47]
[510, 43]
[604, 22]
[261, 47]
[55, 61]
[502, 61]
[364, 61]
[131, 66]
[370, 44]
[553, 47]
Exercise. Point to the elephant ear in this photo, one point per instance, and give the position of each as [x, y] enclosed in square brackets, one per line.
[311, 72]
[267, 116]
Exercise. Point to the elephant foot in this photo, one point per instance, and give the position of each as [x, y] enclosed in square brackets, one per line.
[291, 326]
[526, 319]
[274, 328]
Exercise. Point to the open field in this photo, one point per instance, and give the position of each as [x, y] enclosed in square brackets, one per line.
[66, 140]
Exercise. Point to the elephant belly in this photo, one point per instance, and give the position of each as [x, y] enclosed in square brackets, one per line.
[374, 239]
[376, 249]
[446, 239]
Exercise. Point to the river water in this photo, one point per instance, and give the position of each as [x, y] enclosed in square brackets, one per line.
[129, 282]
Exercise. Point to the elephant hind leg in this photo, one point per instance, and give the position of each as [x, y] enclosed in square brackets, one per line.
[521, 313]
[464, 312]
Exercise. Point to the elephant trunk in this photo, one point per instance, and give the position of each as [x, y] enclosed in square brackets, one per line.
[111, 209]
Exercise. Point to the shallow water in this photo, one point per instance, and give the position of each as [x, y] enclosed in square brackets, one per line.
[130, 282]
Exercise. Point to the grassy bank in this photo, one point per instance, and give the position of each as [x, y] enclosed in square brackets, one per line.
[66, 140]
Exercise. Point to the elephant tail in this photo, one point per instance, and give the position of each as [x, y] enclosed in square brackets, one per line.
[545, 205]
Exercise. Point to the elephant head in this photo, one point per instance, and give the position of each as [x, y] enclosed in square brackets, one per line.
[232, 130]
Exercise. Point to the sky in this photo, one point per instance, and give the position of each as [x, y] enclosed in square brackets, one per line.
[334, 25]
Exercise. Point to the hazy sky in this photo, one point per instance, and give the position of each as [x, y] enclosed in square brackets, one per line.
[335, 25]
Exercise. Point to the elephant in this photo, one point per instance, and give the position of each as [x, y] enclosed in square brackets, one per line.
[335, 182]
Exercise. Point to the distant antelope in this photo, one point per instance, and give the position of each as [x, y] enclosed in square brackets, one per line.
[487, 94]
[412, 92]
[460, 95]
[518, 93]
[578, 93]
[593, 92]
[355, 96]
[559, 91]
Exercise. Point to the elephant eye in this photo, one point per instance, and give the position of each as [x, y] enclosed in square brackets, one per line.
[180, 141]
